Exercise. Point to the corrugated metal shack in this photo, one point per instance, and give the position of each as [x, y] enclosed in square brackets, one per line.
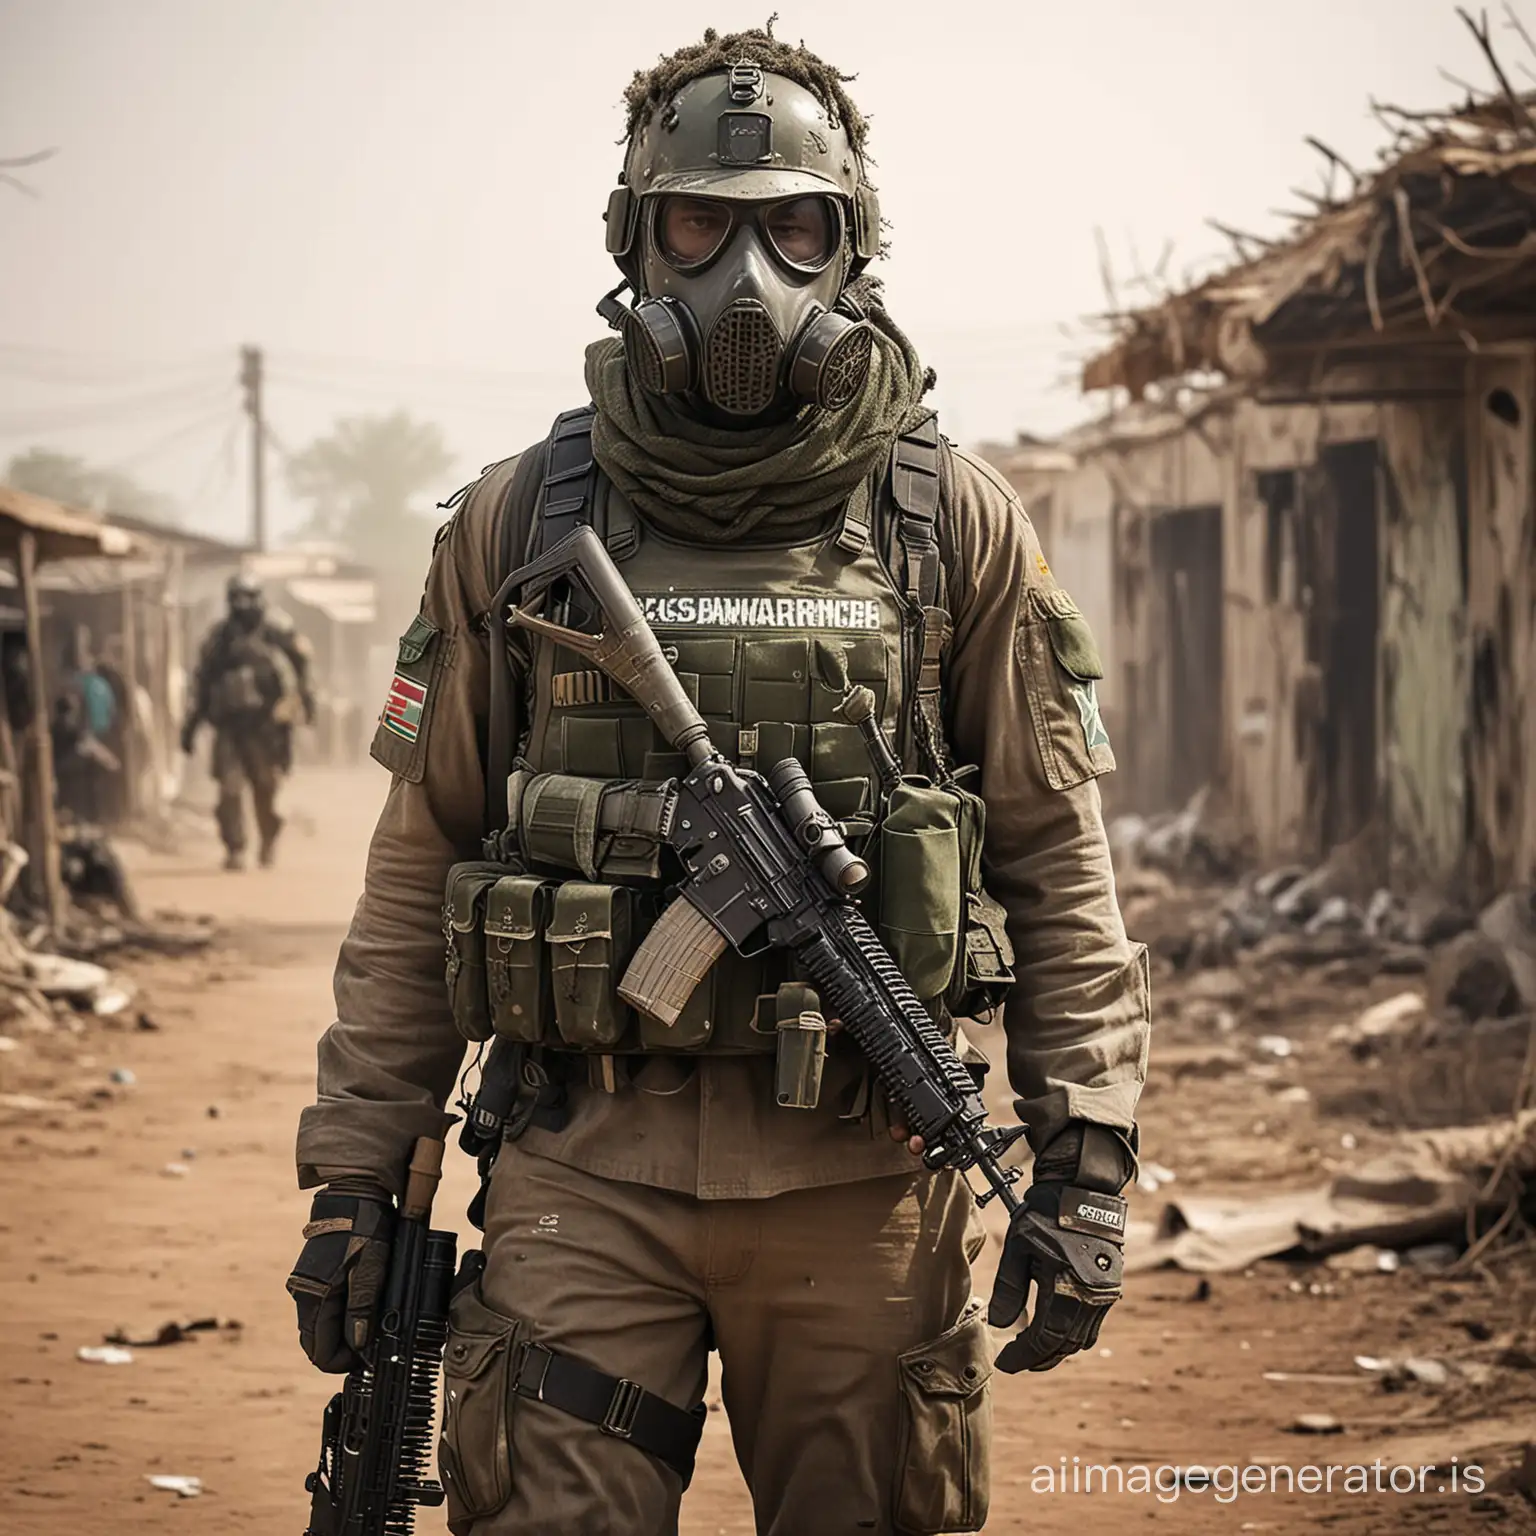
[1323, 557]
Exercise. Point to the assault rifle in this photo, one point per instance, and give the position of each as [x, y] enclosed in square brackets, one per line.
[376, 1442]
[765, 865]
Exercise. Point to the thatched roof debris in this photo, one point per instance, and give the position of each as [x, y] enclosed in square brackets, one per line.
[1434, 248]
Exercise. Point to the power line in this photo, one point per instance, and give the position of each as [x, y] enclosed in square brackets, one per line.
[223, 458]
[193, 428]
[61, 366]
[446, 372]
[107, 412]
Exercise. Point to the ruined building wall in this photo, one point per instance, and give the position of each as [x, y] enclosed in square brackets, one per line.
[1501, 623]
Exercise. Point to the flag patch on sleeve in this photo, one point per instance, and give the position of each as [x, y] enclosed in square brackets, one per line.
[403, 708]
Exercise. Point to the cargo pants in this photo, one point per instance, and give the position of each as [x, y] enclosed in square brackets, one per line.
[251, 755]
[855, 1362]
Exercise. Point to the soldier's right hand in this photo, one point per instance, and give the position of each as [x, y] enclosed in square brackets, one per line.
[188, 736]
[339, 1277]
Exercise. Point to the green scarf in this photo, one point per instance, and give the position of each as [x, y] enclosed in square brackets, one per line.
[712, 485]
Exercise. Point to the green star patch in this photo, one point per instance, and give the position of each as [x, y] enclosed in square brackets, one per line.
[1087, 699]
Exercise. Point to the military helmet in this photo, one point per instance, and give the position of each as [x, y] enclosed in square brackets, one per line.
[767, 186]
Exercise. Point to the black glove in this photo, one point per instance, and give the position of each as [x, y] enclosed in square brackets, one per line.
[340, 1275]
[188, 735]
[1066, 1238]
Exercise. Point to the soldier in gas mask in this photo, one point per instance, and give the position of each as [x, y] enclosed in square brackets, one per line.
[252, 685]
[759, 462]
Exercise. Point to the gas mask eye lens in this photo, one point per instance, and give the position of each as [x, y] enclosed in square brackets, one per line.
[804, 231]
[689, 230]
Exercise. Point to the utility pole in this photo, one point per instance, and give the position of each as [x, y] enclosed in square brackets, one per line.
[250, 381]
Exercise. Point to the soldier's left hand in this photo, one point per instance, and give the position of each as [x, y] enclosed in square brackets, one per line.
[1068, 1242]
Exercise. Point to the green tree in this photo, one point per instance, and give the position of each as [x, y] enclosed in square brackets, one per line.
[75, 481]
[366, 483]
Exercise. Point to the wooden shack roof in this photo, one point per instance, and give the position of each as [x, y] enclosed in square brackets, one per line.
[1436, 248]
[61, 532]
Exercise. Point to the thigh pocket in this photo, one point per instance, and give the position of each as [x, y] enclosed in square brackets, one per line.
[941, 1467]
[475, 1449]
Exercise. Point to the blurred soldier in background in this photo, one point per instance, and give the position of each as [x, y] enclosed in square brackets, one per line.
[251, 685]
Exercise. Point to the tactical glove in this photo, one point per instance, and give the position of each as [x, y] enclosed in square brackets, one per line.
[339, 1277]
[1067, 1241]
[1066, 1238]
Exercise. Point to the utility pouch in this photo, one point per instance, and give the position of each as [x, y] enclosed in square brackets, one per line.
[981, 981]
[589, 937]
[516, 957]
[464, 928]
[608, 829]
[802, 1047]
[921, 897]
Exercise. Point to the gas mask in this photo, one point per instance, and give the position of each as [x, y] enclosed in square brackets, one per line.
[742, 216]
[246, 604]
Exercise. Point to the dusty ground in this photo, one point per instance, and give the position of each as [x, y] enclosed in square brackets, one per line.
[94, 1234]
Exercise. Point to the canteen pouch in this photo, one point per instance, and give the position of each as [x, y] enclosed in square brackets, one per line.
[464, 928]
[983, 977]
[921, 901]
[589, 937]
[517, 959]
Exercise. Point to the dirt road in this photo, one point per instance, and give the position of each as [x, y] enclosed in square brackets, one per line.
[96, 1234]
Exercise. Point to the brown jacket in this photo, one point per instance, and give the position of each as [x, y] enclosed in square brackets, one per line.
[1077, 1023]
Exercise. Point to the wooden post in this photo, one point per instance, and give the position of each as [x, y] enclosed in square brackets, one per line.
[40, 790]
[131, 767]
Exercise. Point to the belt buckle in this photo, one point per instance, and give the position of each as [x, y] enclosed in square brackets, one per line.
[619, 1420]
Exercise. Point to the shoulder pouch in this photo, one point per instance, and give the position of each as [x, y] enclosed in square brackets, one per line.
[400, 742]
[1062, 672]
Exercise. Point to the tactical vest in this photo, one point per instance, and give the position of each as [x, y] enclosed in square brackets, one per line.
[577, 876]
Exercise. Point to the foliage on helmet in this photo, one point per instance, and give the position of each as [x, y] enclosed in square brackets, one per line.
[651, 89]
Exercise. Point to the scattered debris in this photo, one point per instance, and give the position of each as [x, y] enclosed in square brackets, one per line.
[1395, 1374]
[1276, 1045]
[1414, 1199]
[1315, 1424]
[1472, 975]
[1151, 1177]
[182, 1487]
[1510, 923]
[78, 982]
[1383, 1021]
[107, 1354]
[176, 1333]
[27, 1102]
[175, 1170]
[125, 1077]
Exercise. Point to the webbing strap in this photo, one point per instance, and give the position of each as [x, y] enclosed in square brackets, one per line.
[575, 491]
[620, 1408]
[915, 488]
[853, 535]
[567, 490]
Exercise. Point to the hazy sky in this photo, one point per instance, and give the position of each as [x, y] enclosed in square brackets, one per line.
[401, 200]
